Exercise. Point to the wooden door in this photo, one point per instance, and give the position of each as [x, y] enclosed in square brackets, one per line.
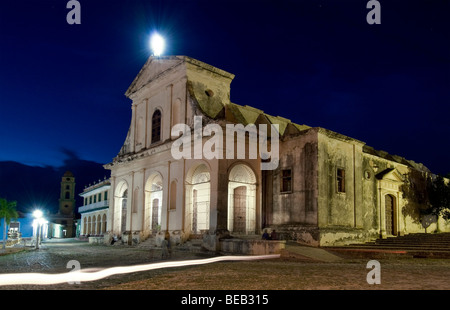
[155, 207]
[240, 209]
[124, 215]
[194, 211]
[389, 206]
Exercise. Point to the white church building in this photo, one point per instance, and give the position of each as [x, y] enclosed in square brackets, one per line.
[322, 188]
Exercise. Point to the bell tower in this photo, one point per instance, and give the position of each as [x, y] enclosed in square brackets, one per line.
[67, 196]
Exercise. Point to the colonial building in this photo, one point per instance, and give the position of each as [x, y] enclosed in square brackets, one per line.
[322, 188]
[95, 208]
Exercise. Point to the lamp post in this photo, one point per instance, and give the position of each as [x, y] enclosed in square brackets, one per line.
[38, 220]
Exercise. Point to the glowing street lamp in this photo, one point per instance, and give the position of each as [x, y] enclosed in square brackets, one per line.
[157, 44]
[37, 214]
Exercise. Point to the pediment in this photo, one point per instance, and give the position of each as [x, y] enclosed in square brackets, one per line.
[390, 174]
[153, 68]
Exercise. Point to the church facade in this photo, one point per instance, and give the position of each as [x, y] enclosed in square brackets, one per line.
[319, 187]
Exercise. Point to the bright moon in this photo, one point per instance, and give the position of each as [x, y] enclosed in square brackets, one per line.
[157, 44]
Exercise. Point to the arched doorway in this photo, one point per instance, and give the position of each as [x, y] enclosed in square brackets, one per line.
[89, 226]
[99, 225]
[104, 224]
[153, 203]
[242, 200]
[198, 192]
[120, 207]
[85, 226]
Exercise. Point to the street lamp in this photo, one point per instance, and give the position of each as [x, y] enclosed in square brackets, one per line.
[37, 214]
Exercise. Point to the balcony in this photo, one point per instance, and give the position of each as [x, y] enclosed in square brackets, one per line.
[94, 206]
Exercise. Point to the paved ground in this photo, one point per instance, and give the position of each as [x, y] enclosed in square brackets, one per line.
[290, 272]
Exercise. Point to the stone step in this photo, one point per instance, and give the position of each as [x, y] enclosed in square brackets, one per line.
[445, 245]
[408, 249]
[414, 245]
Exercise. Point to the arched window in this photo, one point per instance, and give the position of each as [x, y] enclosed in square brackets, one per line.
[156, 126]
[67, 195]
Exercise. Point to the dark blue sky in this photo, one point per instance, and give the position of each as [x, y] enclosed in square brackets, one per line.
[315, 62]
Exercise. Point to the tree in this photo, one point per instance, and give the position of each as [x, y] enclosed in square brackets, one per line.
[439, 197]
[416, 195]
[7, 212]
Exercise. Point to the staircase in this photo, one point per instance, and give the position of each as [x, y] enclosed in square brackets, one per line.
[419, 245]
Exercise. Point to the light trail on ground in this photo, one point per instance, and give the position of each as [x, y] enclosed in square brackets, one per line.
[78, 276]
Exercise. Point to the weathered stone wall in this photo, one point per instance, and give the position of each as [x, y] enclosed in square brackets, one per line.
[309, 235]
[339, 152]
[251, 247]
[298, 206]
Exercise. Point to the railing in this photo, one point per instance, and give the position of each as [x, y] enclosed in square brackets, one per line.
[94, 206]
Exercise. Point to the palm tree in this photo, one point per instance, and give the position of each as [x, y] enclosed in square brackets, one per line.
[7, 212]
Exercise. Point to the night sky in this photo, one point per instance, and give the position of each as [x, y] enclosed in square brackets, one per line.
[315, 62]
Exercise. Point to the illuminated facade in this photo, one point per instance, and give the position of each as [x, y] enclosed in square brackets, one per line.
[326, 188]
[95, 209]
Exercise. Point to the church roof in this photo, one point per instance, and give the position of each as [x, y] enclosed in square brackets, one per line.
[249, 115]
[395, 158]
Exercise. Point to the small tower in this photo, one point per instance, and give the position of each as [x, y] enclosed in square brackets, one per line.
[67, 196]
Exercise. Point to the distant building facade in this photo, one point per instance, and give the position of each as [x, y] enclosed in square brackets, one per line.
[327, 188]
[94, 211]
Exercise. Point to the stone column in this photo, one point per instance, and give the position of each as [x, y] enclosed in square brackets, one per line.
[219, 207]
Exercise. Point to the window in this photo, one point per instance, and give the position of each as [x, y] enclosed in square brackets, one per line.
[95, 198]
[85, 201]
[340, 180]
[156, 126]
[90, 199]
[106, 196]
[286, 180]
[67, 195]
[100, 197]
